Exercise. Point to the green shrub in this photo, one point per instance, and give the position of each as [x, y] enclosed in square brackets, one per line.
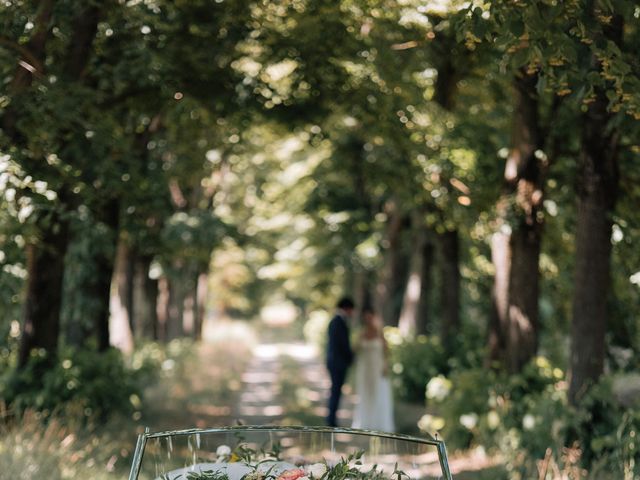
[416, 360]
[607, 433]
[526, 418]
[413, 362]
[462, 405]
[98, 383]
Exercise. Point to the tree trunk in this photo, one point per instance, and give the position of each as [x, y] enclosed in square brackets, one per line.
[45, 259]
[182, 299]
[362, 291]
[121, 299]
[392, 278]
[501, 259]
[202, 290]
[592, 274]
[41, 323]
[43, 296]
[145, 295]
[104, 268]
[175, 310]
[412, 320]
[597, 195]
[522, 343]
[189, 308]
[424, 308]
[513, 337]
[162, 309]
[449, 244]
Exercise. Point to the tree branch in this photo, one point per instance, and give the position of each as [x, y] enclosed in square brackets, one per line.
[25, 53]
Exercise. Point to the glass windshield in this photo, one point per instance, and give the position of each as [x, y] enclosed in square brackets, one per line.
[287, 453]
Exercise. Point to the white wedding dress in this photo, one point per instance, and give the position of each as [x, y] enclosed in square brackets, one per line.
[374, 410]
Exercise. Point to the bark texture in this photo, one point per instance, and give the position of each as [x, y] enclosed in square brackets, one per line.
[413, 316]
[513, 335]
[597, 195]
[43, 296]
[449, 245]
[390, 286]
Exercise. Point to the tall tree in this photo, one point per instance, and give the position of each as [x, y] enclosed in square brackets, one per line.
[597, 195]
[577, 51]
[47, 248]
[513, 337]
[414, 314]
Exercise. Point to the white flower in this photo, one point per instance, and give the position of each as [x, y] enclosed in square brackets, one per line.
[223, 451]
[316, 470]
[469, 420]
[438, 388]
[257, 475]
[528, 422]
[431, 423]
[493, 419]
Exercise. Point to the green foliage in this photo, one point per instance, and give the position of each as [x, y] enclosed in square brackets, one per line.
[192, 236]
[91, 239]
[207, 475]
[607, 432]
[459, 403]
[414, 361]
[98, 384]
[526, 417]
[559, 41]
[277, 133]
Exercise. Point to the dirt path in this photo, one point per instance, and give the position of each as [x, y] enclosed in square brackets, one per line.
[271, 383]
[286, 384]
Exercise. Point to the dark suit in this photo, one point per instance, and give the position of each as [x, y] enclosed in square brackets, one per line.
[339, 357]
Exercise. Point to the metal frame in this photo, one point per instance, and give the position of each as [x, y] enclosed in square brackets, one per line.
[144, 437]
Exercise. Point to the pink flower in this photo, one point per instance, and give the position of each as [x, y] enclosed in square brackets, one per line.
[294, 474]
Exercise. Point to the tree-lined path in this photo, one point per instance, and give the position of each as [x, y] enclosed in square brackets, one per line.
[259, 382]
[272, 383]
[469, 168]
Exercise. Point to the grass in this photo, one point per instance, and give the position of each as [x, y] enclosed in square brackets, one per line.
[197, 384]
[61, 447]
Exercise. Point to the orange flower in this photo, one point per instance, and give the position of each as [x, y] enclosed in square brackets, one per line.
[294, 474]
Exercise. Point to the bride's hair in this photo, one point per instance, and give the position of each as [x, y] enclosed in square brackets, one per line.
[368, 310]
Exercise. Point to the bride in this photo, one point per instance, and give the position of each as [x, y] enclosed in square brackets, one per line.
[374, 410]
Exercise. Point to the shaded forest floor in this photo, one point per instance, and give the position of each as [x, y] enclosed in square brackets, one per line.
[270, 378]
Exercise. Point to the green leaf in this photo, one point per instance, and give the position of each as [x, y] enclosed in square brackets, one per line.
[541, 84]
[516, 27]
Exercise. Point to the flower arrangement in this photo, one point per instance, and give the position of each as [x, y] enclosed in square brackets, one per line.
[245, 463]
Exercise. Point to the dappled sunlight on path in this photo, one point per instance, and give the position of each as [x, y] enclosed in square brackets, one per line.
[286, 383]
[198, 391]
[234, 377]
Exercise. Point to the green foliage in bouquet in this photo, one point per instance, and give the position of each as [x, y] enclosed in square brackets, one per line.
[207, 475]
[347, 468]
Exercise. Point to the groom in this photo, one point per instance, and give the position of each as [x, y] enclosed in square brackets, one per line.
[339, 354]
